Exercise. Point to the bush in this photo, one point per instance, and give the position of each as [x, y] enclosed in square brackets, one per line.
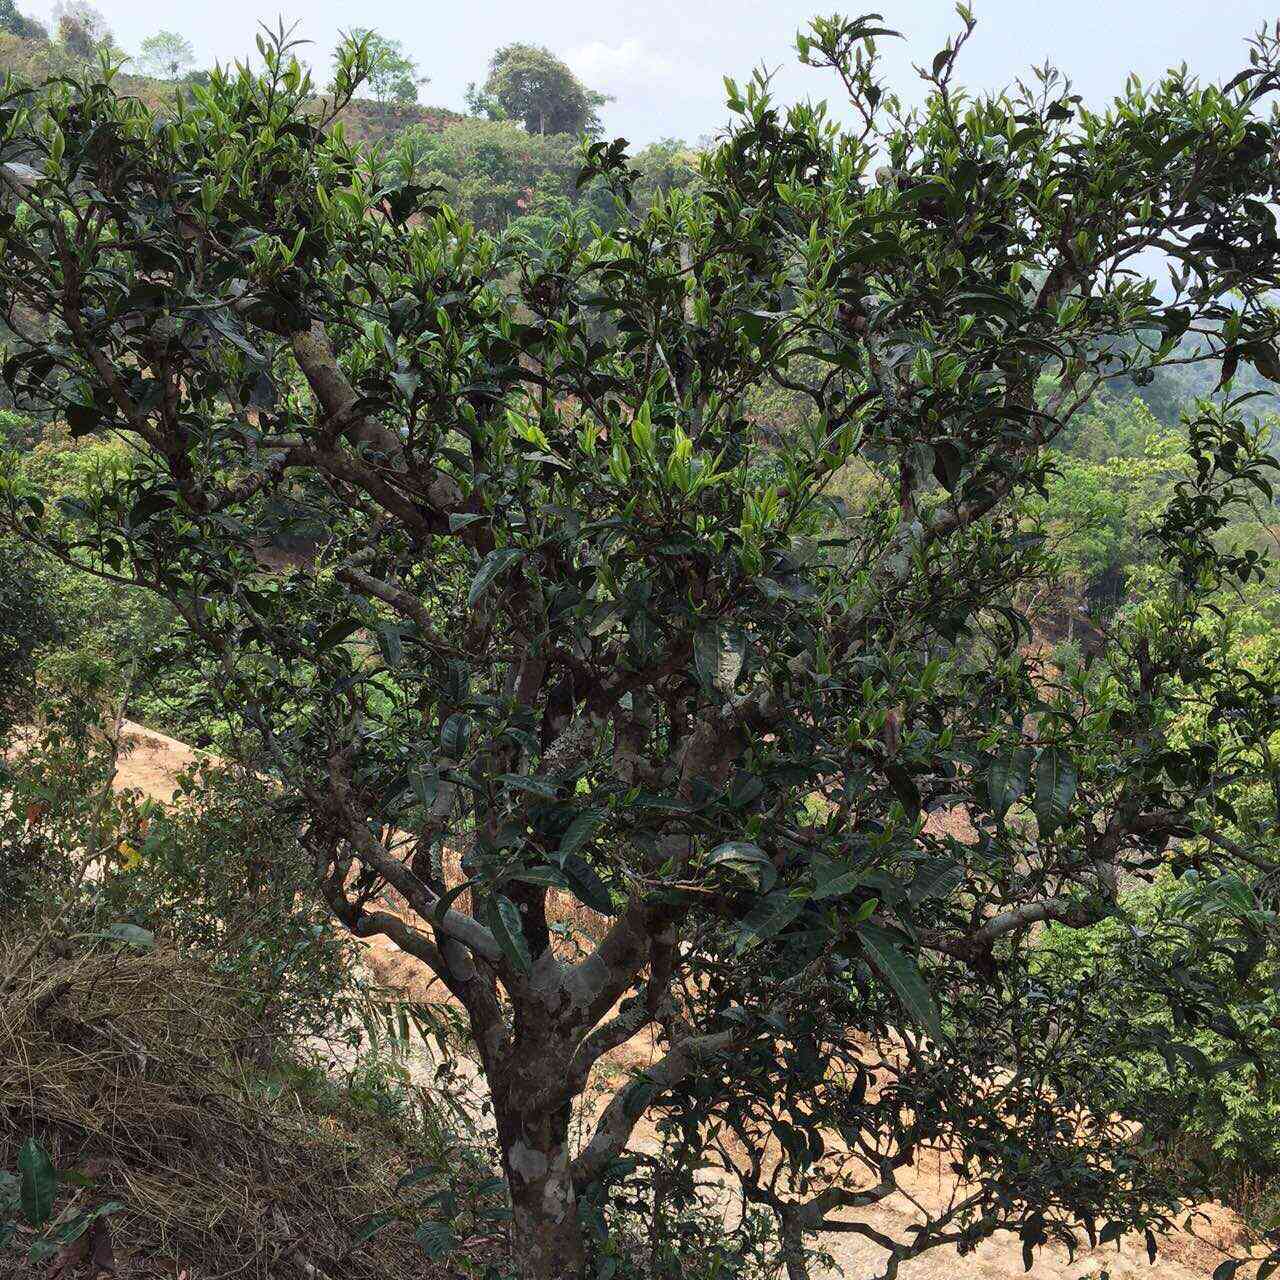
[220, 874]
[223, 876]
[1231, 1116]
[28, 623]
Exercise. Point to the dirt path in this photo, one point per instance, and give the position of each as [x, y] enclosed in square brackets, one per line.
[152, 763]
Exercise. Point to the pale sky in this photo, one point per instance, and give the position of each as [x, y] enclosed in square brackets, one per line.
[663, 60]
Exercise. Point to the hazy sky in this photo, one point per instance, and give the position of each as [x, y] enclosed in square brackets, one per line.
[663, 59]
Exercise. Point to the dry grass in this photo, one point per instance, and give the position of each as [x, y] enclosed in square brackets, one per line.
[131, 1066]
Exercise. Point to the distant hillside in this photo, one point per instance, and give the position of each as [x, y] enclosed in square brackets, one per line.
[366, 122]
[369, 123]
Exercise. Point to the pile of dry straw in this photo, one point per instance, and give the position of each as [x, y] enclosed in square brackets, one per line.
[132, 1066]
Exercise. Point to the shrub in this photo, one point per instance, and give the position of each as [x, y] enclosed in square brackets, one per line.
[221, 875]
[1230, 1115]
[28, 623]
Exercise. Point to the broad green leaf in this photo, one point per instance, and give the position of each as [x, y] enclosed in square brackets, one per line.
[546, 877]
[389, 641]
[525, 782]
[39, 1182]
[935, 879]
[902, 973]
[426, 787]
[337, 633]
[587, 885]
[905, 788]
[1055, 789]
[767, 917]
[490, 567]
[1008, 778]
[423, 1173]
[436, 1239]
[371, 1226]
[447, 900]
[147, 506]
[838, 886]
[747, 788]
[506, 926]
[581, 831]
[133, 934]
[747, 859]
[455, 734]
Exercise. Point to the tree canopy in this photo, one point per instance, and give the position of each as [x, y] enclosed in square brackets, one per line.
[167, 55]
[529, 83]
[17, 24]
[572, 629]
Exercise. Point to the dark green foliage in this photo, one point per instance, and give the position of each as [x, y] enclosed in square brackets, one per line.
[220, 875]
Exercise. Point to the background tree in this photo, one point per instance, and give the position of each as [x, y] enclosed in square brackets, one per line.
[166, 55]
[81, 28]
[529, 83]
[17, 24]
[571, 631]
[393, 75]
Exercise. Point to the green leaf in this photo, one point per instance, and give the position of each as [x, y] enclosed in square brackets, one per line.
[902, 973]
[905, 788]
[543, 876]
[1008, 779]
[371, 1226]
[505, 924]
[454, 735]
[423, 1173]
[587, 885]
[39, 1183]
[83, 419]
[426, 787]
[447, 899]
[580, 832]
[525, 782]
[747, 859]
[838, 886]
[337, 633]
[935, 879]
[767, 917]
[133, 934]
[1055, 789]
[436, 1239]
[747, 788]
[149, 505]
[389, 641]
[948, 462]
[490, 567]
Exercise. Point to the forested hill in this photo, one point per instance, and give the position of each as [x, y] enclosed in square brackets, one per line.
[366, 121]
[491, 165]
